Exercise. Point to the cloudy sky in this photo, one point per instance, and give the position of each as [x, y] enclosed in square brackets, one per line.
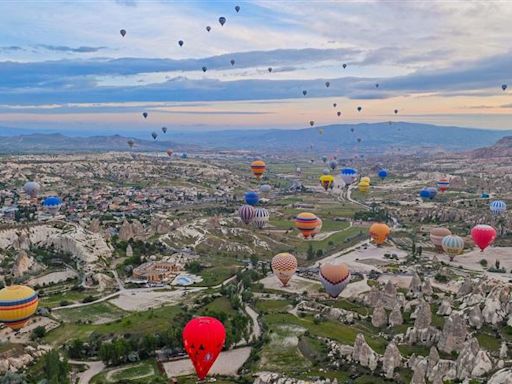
[65, 65]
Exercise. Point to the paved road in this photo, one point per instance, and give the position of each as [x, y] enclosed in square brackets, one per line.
[95, 367]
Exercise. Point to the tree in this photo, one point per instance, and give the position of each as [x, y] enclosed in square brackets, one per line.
[76, 349]
[12, 378]
[56, 371]
[311, 252]
[38, 333]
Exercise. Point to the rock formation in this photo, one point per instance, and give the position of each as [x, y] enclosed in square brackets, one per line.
[423, 316]
[497, 304]
[415, 286]
[426, 289]
[129, 251]
[94, 226]
[445, 308]
[422, 332]
[379, 317]
[22, 264]
[392, 360]
[454, 334]
[395, 317]
[475, 317]
[503, 376]
[472, 361]
[363, 354]
[465, 288]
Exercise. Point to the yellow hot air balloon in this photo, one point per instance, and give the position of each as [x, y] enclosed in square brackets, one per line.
[306, 223]
[284, 266]
[327, 181]
[17, 304]
[258, 168]
[365, 179]
[436, 236]
[379, 233]
[363, 186]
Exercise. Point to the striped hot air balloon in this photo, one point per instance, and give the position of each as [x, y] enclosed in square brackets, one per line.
[284, 266]
[334, 278]
[348, 175]
[443, 184]
[258, 168]
[498, 207]
[363, 186]
[327, 181]
[453, 245]
[379, 232]
[247, 213]
[437, 235]
[261, 217]
[318, 228]
[365, 179]
[306, 223]
[17, 304]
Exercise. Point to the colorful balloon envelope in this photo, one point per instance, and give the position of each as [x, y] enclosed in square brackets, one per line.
[334, 278]
[326, 171]
[348, 175]
[327, 181]
[443, 184]
[17, 304]
[498, 207]
[31, 188]
[169, 152]
[363, 187]
[452, 245]
[318, 228]
[284, 266]
[333, 164]
[265, 188]
[258, 168]
[306, 223]
[247, 213]
[379, 232]
[261, 217]
[483, 235]
[428, 193]
[203, 339]
[251, 198]
[365, 179]
[52, 204]
[324, 159]
[383, 173]
[437, 235]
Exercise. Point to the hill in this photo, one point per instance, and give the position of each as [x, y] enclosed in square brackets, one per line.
[502, 148]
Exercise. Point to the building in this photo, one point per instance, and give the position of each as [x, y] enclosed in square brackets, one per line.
[156, 271]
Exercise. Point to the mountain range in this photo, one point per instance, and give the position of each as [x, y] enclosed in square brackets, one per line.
[381, 137]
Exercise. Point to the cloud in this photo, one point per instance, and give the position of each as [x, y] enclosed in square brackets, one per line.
[11, 48]
[63, 48]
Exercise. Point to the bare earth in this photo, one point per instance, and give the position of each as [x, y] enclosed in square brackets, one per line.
[23, 336]
[52, 278]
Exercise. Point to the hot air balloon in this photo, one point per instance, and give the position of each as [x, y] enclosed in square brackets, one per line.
[154, 135]
[169, 152]
[359, 109]
[258, 168]
[498, 207]
[324, 159]
[52, 204]
[232, 62]
[333, 164]
[312, 122]
[344, 65]
[437, 235]
[122, 32]
[379, 232]
[306, 223]
[246, 213]
[145, 114]
[304, 92]
[203, 339]
[222, 20]
[180, 43]
[237, 8]
[270, 69]
[383, 173]
[396, 111]
[31, 188]
[483, 235]
[321, 131]
[327, 84]
[503, 86]
[208, 28]
[17, 304]
[317, 229]
[204, 69]
[251, 198]
[261, 217]
[184, 155]
[376, 85]
[348, 175]
[363, 186]
[131, 143]
[326, 171]
[428, 193]
[298, 170]
[265, 188]
[338, 113]
[164, 129]
[484, 196]
[334, 105]
[453, 245]
[284, 266]
[327, 181]
[352, 130]
[365, 179]
[443, 184]
[334, 278]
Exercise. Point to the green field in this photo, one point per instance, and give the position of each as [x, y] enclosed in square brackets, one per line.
[54, 300]
[94, 313]
[272, 306]
[138, 372]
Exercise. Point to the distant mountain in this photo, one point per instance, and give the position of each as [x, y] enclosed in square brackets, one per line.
[503, 148]
[42, 143]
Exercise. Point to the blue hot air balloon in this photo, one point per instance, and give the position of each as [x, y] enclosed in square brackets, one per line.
[428, 193]
[252, 198]
[348, 175]
[484, 195]
[52, 204]
[498, 207]
[383, 173]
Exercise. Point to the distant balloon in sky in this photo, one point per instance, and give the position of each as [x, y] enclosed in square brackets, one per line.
[164, 129]
[169, 152]
[222, 20]
[338, 113]
[131, 143]
[334, 105]
[246, 213]
[232, 62]
[396, 111]
[324, 159]
[312, 123]
[348, 175]
[180, 43]
[352, 130]
[208, 28]
[122, 32]
[344, 65]
[383, 173]
[251, 198]
[483, 235]
[52, 204]
[359, 109]
[261, 217]
[237, 8]
[443, 184]
[270, 69]
[498, 207]
[31, 188]
[204, 69]
[503, 86]
[326, 171]
[326, 181]
[327, 84]
[359, 139]
[304, 92]
[377, 85]
[333, 164]
[258, 167]
[284, 266]
[154, 135]
[265, 188]
[379, 232]
[453, 245]
[145, 114]
[334, 278]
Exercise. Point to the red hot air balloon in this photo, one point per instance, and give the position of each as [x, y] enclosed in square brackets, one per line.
[483, 235]
[203, 339]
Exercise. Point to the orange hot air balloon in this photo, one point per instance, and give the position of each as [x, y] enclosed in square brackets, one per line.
[379, 233]
[318, 228]
[258, 168]
[436, 237]
[284, 266]
[306, 223]
[334, 278]
[17, 304]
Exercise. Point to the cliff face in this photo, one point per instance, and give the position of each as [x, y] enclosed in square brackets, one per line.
[502, 148]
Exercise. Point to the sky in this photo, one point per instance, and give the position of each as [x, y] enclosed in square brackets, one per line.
[64, 64]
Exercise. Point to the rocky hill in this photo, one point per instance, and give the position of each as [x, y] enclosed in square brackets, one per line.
[502, 148]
